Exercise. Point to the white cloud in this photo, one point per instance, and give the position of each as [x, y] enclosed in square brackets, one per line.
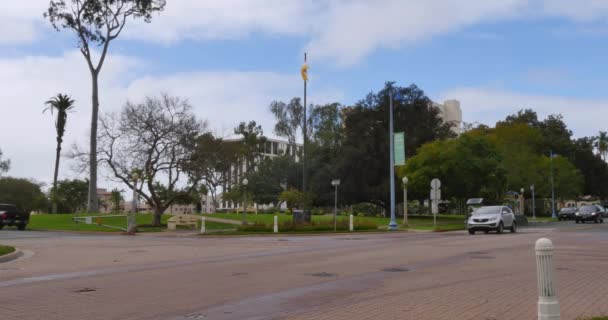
[20, 21]
[223, 98]
[341, 31]
[585, 117]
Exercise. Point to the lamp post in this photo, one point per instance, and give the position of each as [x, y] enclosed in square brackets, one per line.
[335, 183]
[405, 181]
[131, 219]
[245, 183]
[533, 202]
[522, 206]
[393, 224]
[552, 189]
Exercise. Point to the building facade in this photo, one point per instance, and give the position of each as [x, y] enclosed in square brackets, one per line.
[450, 112]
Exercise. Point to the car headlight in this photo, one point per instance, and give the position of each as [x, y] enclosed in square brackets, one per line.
[577, 213]
[594, 213]
[493, 219]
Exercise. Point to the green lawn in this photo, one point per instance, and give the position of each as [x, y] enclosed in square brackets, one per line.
[542, 219]
[444, 222]
[6, 250]
[64, 222]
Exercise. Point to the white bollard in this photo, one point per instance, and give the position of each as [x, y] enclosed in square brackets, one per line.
[202, 225]
[351, 226]
[276, 224]
[548, 306]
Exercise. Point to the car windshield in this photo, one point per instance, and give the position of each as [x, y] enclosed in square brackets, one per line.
[568, 210]
[588, 209]
[488, 210]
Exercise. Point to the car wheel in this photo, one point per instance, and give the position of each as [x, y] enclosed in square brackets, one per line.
[514, 227]
[1, 226]
[596, 221]
[471, 231]
[486, 231]
[583, 221]
[559, 219]
[21, 227]
[500, 228]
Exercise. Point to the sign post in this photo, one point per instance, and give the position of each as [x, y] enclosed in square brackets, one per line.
[435, 197]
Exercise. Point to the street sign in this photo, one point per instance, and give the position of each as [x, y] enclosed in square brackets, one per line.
[435, 184]
[399, 149]
[435, 194]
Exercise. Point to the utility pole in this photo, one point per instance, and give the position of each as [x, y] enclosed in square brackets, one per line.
[393, 224]
[552, 189]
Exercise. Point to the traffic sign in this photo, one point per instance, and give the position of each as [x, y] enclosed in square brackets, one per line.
[435, 184]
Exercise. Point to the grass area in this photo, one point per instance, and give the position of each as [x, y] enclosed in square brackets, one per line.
[444, 222]
[542, 219]
[6, 250]
[64, 222]
[594, 318]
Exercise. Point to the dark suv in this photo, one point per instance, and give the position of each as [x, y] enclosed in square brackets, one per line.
[568, 213]
[10, 216]
[590, 213]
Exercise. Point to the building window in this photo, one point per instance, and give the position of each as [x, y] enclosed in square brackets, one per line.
[275, 148]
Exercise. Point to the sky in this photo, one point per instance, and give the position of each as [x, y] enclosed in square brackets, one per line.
[232, 58]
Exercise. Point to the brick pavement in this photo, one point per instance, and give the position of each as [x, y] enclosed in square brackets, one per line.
[452, 276]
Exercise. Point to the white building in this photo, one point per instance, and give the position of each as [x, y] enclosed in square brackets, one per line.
[451, 113]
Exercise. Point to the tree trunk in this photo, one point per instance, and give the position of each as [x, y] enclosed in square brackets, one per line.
[156, 219]
[93, 205]
[54, 193]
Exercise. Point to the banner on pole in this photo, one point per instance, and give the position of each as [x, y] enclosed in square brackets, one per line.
[399, 149]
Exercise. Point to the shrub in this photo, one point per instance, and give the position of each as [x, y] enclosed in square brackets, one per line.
[367, 209]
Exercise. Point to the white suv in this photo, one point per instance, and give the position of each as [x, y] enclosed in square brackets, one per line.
[494, 218]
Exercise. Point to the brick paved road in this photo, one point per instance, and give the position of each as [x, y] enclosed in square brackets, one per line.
[360, 276]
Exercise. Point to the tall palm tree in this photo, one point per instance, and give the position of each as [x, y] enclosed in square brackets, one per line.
[62, 103]
[601, 143]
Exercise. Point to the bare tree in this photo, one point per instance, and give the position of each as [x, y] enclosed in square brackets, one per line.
[97, 23]
[212, 160]
[155, 138]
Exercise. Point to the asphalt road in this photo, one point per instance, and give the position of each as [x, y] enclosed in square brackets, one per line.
[357, 276]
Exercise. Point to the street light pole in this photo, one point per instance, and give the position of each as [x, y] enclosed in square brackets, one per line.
[404, 180]
[335, 183]
[393, 224]
[132, 215]
[522, 205]
[245, 183]
[533, 202]
[552, 189]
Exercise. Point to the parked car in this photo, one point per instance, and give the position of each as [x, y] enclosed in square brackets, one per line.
[568, 213]
[492, 218]
[593, 213]
[10, 216]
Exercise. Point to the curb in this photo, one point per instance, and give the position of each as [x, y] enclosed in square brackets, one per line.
[11, 256]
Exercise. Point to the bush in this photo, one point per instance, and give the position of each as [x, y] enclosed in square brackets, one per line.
[367, 209]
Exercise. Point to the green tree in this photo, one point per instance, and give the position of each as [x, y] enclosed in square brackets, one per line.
[273, 176]
[601, 143]
[212, 159]
[568, 180]
[71, 195]
[97, 23]
[27, 195]
[252, 143]
[363, 163]
[294, 199]
[116, 198]
[62, 104]
[470, 166]
[5, 165]
[289, 119]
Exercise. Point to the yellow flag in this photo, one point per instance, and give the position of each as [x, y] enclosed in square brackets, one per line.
[304, 72]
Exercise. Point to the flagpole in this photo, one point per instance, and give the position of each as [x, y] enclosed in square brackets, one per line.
[304, 133]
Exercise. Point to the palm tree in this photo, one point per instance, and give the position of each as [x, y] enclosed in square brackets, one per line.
[62, 103]
[601, 143]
